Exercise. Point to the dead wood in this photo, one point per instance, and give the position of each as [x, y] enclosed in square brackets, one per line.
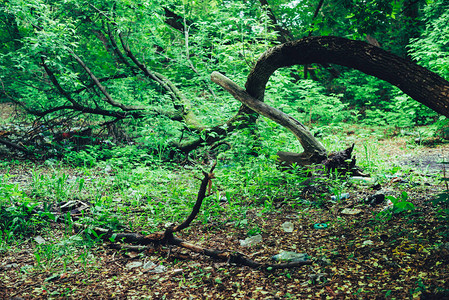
[314, 151]
[416, 81]
[136, 248]
[201, 195]
[15, 146]
[419, 83]
[167, 238]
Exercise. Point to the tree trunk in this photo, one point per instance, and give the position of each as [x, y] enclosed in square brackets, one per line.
[416, 81]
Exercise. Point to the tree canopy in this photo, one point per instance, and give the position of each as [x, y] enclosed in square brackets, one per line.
[110, 62]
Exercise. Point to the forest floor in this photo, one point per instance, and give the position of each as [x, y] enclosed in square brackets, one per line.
[357, 256]
[364, 255]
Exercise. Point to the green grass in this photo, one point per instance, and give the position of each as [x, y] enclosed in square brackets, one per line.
[145, 196]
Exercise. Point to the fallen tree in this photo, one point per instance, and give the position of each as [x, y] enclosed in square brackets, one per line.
[414, 80]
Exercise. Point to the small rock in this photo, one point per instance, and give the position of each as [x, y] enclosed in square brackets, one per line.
[342, 196]
[10, 266]
[177, 271]
[363, 180]
[159, 269]
[367, 242]
[153, 268]
[149, 265]
[288, 256]
[38, 239]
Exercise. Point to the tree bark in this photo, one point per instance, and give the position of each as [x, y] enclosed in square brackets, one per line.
[314, 151]
[414, 80]
[417, 82]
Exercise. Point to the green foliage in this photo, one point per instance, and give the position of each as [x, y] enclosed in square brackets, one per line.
[400, 204]
[379, 104]
[17, 220]
[139, 182]
[441, 201]
[401, 112]
[54, 187]
[431, 49]
[306, 100]
[18, 217]
[120, 156]
[227, 36]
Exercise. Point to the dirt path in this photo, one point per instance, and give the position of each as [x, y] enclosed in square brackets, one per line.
[404, 152]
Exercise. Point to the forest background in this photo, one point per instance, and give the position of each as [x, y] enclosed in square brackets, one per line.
[123, 88]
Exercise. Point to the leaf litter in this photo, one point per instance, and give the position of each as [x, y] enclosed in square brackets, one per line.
[356, 256]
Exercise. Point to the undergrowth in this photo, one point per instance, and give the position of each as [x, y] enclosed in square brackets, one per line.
[124, 189]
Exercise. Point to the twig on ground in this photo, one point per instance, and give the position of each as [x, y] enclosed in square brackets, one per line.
[167, 238]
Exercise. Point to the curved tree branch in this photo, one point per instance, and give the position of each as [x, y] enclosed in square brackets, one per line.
[416, 81]
[419, 83]
[313, 150]
[199, 201]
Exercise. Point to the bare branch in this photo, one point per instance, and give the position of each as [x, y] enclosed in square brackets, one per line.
[414, 80]
[201, 195]
[101, 87]
[167, 238]
[119, 76]
[48, 111]
[15, 146]
[311, 146]
[55, 82]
